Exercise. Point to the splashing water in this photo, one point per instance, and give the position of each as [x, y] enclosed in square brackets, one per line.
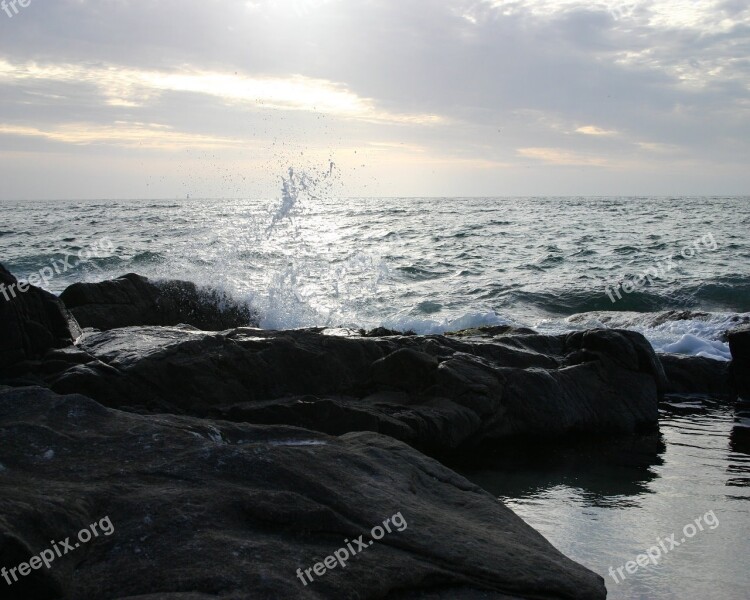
[312, 258]
[310, 287]
[295, 188]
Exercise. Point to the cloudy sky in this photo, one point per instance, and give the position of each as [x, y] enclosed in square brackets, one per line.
[216, 98]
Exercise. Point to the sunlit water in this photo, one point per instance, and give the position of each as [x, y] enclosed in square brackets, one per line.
[428, 265]
[603, 504]
[431, 265]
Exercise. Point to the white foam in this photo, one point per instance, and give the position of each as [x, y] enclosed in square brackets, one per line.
[694, 346]
[691, 337]
[424, 326]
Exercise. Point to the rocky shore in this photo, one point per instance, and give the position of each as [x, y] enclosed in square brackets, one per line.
[228, 456]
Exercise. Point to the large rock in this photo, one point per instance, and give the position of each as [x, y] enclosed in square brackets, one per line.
[696, 375]
[31, 321]
[739, 344]
[437, 393]
[189, 508]
[134, 300]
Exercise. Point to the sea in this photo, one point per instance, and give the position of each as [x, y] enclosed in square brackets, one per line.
[308, 258]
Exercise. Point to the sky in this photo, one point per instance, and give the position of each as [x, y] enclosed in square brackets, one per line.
[218, 98]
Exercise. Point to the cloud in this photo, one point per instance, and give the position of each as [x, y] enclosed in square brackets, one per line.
[660, 148]
[136, 135]
[133, 88]
[594, 130]
[481, 82]
[560, 156]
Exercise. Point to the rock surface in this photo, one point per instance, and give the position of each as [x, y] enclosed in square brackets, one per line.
[739, 344]
[696, 375]
[134, 300]
[436, 393]
[203, 509]
[31, 321]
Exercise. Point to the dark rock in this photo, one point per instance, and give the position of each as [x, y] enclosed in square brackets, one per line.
[696, 375]
[678, 315]
[739, 345]
[190, 508]
[383, 332]
[492, 331]
[406, 369]
[31, 321]
[133, 300]
[634, 318]
[436, 393]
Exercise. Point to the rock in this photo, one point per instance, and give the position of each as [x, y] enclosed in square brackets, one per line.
[739, 345]
[696, 375]
[436, 393]
[405, 369]
[31, 321]
[636, 319]
[190, 508]
[383, 332]
[492, 331]
[134, 300]
[678, 315]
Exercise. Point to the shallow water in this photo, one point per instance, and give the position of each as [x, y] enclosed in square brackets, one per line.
[603, 504]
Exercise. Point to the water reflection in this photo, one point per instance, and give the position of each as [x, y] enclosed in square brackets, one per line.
[604, 472]
[603, 503]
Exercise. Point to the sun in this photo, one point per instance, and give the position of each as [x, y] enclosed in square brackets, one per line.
[293, 8]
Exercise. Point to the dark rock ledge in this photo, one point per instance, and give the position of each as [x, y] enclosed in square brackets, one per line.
[213, 509]
[134, 300]
[258, 452]
[434, 392]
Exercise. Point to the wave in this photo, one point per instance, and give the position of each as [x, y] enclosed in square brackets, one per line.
[569, 302]
[427, 326]
[416, 273]
[730, 292]
[678, 332]
[146, 258]
[723, 294]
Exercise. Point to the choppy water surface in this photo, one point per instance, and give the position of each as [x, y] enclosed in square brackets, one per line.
[432, 265]
[604, 504]
[428, 265]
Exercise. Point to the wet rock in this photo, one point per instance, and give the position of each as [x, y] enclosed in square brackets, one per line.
[492, 331]
[678, 315]
[32, 321]
[383, 332]
[633, 318]
[198, 508]
[134, 300]
[696, 375]
[739, 344]
[435, 392]
[405, 369]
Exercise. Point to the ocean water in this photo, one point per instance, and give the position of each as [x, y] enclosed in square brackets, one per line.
[428, 265]
[603, 505]
[309, 258]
